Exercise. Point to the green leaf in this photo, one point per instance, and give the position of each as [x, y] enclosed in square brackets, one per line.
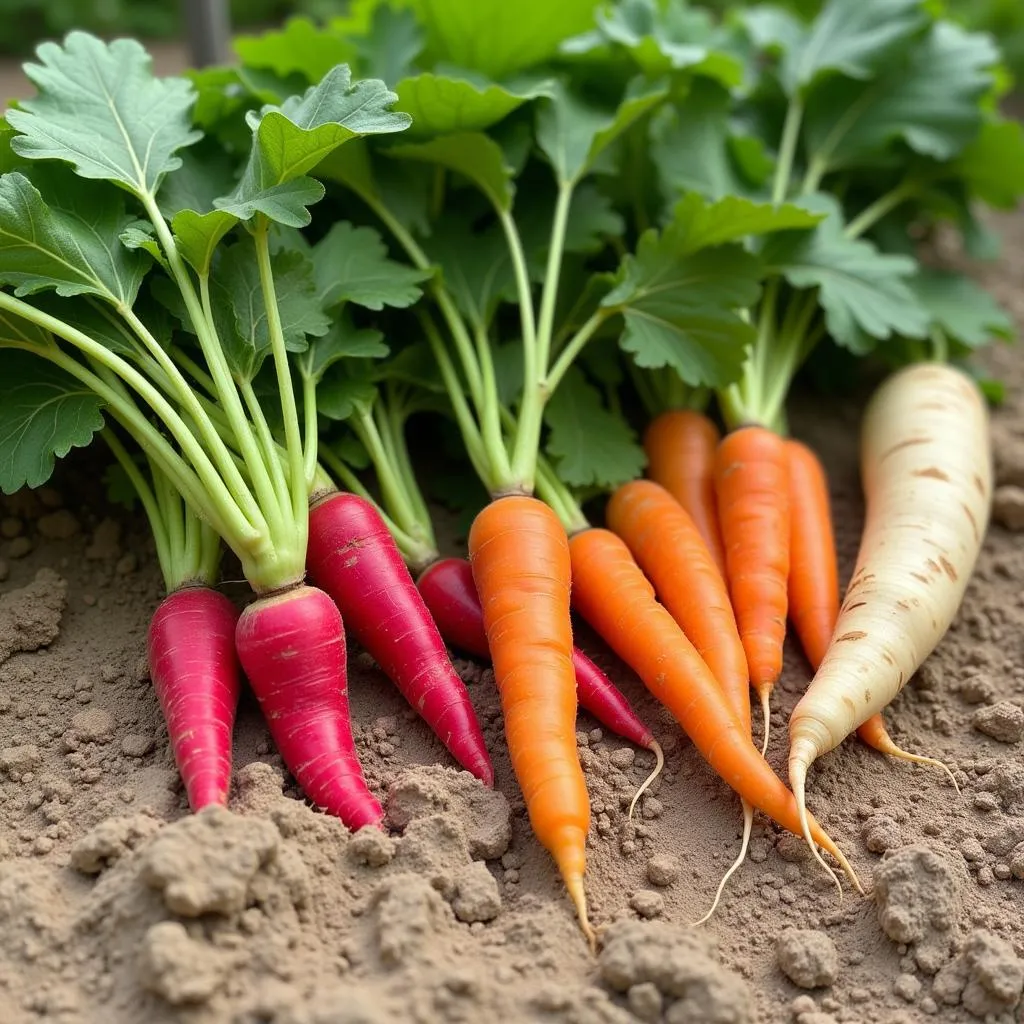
[197, 235]
[588, 444]
[702, 224]
[471, 154]
[854, 39]
[442, 104]
[236, 287]
[342, 389]
[414, 364]
[680, 307]
[929, 100]
[696, 147]
[301, 46]
[475, 266]
[206, 173]
[96, 320]
[351, 265]
[661, 37]
[342, 341]
[291, 139]
[573, 132]
[508, 371]
[592, 221]
[863, 291]
[992, 166]
[44, 413]
[139, 235]
[100, 109]
[118, 487]
[962, 310]
[68, 250]
[392, 45]
[499, 39]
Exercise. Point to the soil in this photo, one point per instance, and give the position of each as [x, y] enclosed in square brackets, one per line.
[118, 906]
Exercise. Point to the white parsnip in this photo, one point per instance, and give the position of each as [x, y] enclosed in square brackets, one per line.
[926, 469]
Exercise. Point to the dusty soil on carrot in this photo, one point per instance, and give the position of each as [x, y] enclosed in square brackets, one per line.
[117, 906]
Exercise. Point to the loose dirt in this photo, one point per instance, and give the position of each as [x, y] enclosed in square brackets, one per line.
[117, 906]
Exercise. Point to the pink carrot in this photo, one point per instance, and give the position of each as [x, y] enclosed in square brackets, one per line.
[194, 668]
[292, 648]
[448, 590]
[353, 557]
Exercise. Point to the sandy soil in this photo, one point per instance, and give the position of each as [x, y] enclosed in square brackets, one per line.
[116, 906]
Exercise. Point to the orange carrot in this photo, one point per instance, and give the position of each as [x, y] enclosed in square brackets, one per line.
[680, 447]
[752, 488]
[814, 583]
[521, 568]
[614, 596]
[668, 546]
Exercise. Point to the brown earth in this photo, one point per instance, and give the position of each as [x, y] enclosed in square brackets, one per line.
[118, 907]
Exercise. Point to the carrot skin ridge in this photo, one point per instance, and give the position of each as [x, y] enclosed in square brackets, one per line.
[197, 678]
[292, 649]
[814, 573]
[680, 446]
[450, 595]
[666, 544]
[614, 596]
[519, 555]
[352, 556]
[752, 489]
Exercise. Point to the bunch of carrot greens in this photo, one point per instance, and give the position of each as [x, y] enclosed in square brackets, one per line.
[534, 220]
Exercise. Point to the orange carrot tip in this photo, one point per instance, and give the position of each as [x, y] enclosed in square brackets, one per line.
[659, 764]
[748, 826]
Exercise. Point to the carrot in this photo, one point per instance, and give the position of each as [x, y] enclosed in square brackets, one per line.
[194, 669]
[614, 596]
[450, 594]
[520, 559]
[752, 488]
[353, 557]
[680, 447]
[292, 648]
[814, 583]
[668, 546]
[926, 469]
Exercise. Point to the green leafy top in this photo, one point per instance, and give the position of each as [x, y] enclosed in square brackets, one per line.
[100, 108]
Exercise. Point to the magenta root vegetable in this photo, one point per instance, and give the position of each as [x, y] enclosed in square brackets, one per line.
[194, 668]
[292, 648]
[353, 557]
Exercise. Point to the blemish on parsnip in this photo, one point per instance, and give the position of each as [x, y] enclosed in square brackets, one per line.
[903, 444]
[933, 473]
[949, 568]
[855, 634]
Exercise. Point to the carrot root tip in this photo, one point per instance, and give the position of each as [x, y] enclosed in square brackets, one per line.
[574, 885]
[799, 762]
[934, 762]
[748, 826]
[765, 694]
[659, 764]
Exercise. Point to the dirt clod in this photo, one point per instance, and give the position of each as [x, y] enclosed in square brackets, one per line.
[1008, 506]
[681, 966]
[917, 895]
[30, 616]
[807, 957]
[1003, 721]
[179, 968]
[204, 864]
[986, 976]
